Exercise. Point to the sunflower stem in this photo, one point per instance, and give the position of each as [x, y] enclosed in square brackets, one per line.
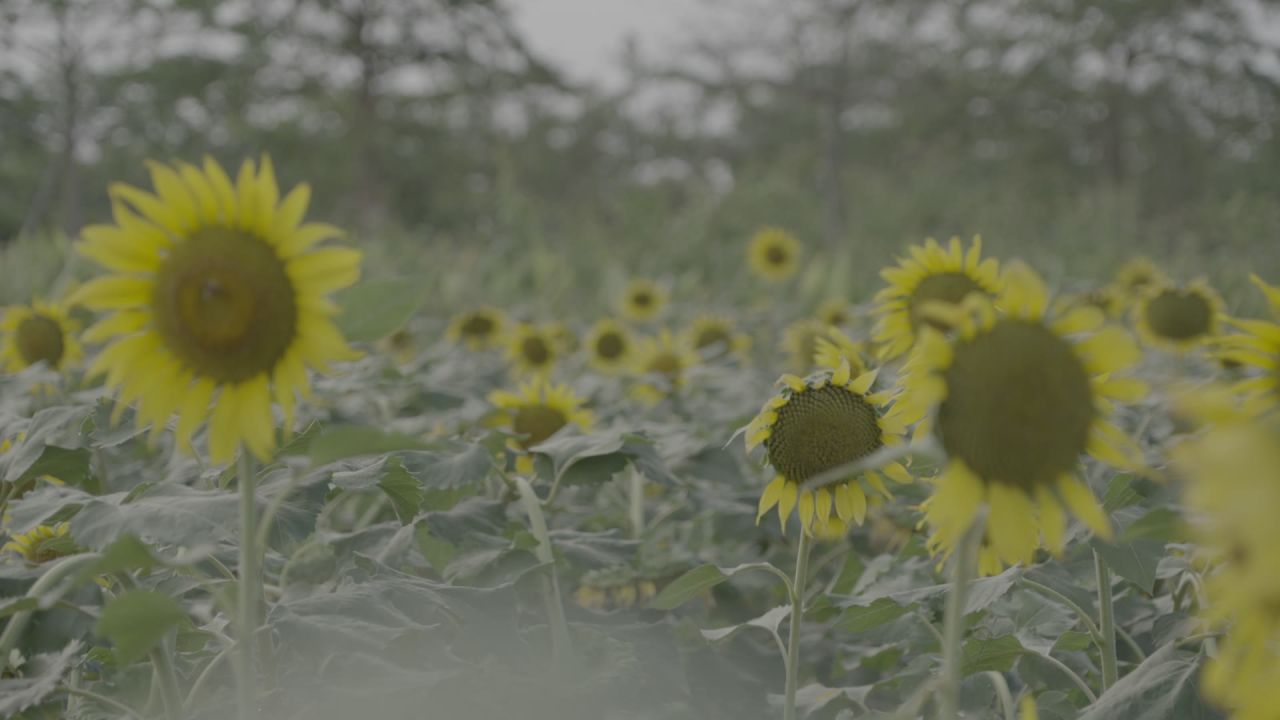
[964, 566]
[561, 642]
[797, 616]
[249, 590]
[1106, 623]
[635, 496]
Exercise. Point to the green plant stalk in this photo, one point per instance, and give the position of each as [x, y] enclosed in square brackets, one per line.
[635, 497]
[249, 591]
[1106, 623]
[1002, 690]
[561, 642]
[167, 679]
[965, 564]
[797, 616]
[54, 575]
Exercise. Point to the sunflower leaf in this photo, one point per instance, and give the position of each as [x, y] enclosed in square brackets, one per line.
[376, 308]
[42, 675]
[699, 580]
[137, 620]
[1163, 687]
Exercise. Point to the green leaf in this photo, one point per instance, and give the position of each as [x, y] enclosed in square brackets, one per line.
[1120, 494]
[1072, 641]
[137, 620]
[697, 581]
[1134, 561]
[70, 465]
[404, 492]
[1164, 687]
[862, 618]
[344, 441]
[580, 459]
[996, 654]
[1163, 524]
[42, 675]
[768, 621]
[451, 467]
[376, 308]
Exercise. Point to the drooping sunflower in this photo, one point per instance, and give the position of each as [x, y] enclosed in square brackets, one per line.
[41, 544]
[931, 275]
[773, 254]
[478, 329]
[836, 312]
[1179, 318]
[1137, 275]
[714, 337]
[41, 332]
[1017, 399]
[1257, 347]
[643, 300]
[660, 364]
[609, 346]
[219, 295]
[535, 412]
[817, 425]
[532, 350]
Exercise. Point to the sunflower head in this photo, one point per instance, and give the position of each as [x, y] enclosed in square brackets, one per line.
[478, 329]
[714, 336]
[817, 426]
[836, 312]
[42, 544]
[930, 276]
[661, 363]
[565, 338]
[39, 333]
[1256, 350]
[1178, 318]
[532, 350]
[218, 295]
[537, 411]
[643, 300]
[834, 347]
[1138, 275]
[609, 346]
[773, 254]
[1017, 399]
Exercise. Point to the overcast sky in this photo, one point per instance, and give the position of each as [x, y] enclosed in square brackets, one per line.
[584, 36]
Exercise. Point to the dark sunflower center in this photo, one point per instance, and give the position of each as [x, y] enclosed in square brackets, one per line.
[610, 346]
[776, 255]
[819, 430]
[535, 351]
[948, 287]
[224, 305]
[837, 317]
[1179, 315]
[536, 423]
[478, 326]
[1019, 405]
[40, 338]
[642, 299]
[712, 337]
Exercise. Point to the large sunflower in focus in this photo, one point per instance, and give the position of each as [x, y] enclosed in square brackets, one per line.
[1017, 399]
[1257, 347]
[818, 425]
[1179, 318]
[219, 295]
[41, 332]
[774, 254]
[535, 412]
[929, 276]
[478, 329]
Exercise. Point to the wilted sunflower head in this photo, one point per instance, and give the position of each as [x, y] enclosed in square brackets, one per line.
[478, 329]
[1178, 318]
[773, 254]
[836, 312]
[817, 426]
[219, 294]
[609, 346]
[532, 350]
[42, 544]
[1137, 275]
[660, 364]
[39, 333]
[535, 412]
[1256, 349]
[643, 300]
[714, 336]
[1017, 398]
[930, 276]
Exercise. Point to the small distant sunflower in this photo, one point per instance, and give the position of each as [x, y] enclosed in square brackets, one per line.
[661, 363]
[41, 332]
[803, 342]
[1138, 275]
[930, 276]
[1257, 347]
[478, 329]
[565, 338]
[813, 426]
[219, 295]
[1019, 400]
[774, 254]
[42, 544]
[714, 336]
[532, 350]
[835, 312]
[1106, 299]
[538, 410]
[834, 347]
[643, 300]
[1178, 318]
[609, 346]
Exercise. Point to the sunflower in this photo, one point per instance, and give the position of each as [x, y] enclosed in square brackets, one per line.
[1136, 276]
[219, 295]
[836, 312]
[532, 350]
[609, 346]
[661, 363]
[814, 426]
[930, 276]
[1178, 318]
[714, 336]
[643, 300]
[538, 410]
[774, 254]
[834, 347]
[42, 332]
[1233, 483]
[1017, 399]
[41, 544]
[1257, 346]
[565, 338]
[478, 329]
